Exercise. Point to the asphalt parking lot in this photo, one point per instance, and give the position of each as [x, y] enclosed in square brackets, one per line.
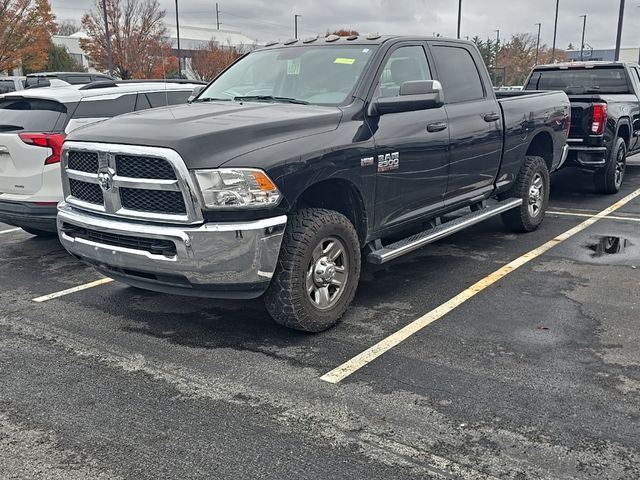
[534, 376]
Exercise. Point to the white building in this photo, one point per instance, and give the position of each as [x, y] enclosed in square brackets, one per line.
[72, 45]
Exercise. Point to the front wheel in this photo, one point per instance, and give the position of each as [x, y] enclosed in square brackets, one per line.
[532, 186]
[318, 271]
[609, 179]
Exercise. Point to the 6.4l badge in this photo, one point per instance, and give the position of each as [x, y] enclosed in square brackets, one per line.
[389, 161]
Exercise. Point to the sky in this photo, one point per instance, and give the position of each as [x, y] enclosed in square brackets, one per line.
[267, 20]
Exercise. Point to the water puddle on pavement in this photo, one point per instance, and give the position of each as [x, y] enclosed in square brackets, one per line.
[609, 246]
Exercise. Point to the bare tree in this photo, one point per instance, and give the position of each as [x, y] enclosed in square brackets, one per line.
[138, 36]
[68, 27]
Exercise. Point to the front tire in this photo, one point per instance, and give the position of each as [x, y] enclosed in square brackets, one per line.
[317, 273]
[533, 186]
[609, 179]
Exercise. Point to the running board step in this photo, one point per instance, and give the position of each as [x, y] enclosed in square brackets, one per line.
[409, 244]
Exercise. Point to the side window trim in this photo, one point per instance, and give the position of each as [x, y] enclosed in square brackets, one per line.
[386, 57]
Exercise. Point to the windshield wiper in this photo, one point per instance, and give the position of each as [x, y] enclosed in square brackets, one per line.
[211, 99]
[270, 98]
[11, 127]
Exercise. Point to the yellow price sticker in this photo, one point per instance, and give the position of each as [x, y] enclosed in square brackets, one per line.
[345, 61]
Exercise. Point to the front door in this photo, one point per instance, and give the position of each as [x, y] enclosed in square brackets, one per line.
[475, 123]
[411, 147]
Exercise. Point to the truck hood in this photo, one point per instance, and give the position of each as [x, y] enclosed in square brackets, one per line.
[207, 135]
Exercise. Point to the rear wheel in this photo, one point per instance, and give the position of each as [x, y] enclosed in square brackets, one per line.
[317, 273]
[532, 185]
[609, 179]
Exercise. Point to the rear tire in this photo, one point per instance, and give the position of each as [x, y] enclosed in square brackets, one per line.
[532, 185]
[40, 233]
[317, 273]
[609, 179]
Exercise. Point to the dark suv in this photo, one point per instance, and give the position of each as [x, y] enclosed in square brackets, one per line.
[35, 80]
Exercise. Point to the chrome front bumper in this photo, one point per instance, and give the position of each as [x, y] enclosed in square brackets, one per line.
[221, 260]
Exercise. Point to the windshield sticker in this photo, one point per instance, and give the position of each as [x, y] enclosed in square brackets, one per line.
[293, 67]
[345, 61]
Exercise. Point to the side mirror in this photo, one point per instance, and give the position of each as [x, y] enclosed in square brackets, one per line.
[195, 93]
[414, 95]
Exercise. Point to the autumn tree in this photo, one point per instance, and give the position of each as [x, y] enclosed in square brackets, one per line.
[211, 58]
[138, 36]
[26, 27]
[342, 32]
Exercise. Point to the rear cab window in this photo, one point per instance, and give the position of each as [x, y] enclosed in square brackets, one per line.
[581, 80]
[20, 114]
[7, 86]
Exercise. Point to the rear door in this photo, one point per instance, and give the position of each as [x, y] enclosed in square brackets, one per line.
[21, 164]
[95, 109]
[411, 147]
[475, 122]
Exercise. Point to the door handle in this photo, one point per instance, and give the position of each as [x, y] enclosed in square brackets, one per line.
[491, 117]
[436, 127]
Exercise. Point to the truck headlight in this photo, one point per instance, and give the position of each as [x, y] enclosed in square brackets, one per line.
[237, 188]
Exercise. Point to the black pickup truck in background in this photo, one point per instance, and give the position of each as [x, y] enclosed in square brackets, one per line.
[300, 159]
[605, 115]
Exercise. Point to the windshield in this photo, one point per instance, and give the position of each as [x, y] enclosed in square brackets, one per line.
[30, 115]
[576, 81]
[322, 75]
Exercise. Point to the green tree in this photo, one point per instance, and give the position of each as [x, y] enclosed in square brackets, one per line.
[61, 61]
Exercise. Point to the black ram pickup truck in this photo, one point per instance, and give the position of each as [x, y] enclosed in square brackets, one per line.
[605, 115]
[301, 159]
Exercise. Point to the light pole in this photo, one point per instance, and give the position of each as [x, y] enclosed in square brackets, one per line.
[497, 45]
[584, 28]
[178, 36]
[295, 25]
[459, 16]
[619, 35]
[555, 33]
[108, 35]
[538, 42]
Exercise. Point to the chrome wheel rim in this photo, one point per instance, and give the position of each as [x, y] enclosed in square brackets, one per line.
[327, 273]
[536, 195]
[620, 166]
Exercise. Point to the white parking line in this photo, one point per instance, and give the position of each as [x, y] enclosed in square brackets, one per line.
[79, 288]
[609, 217]
[10, 230]
[356, 363]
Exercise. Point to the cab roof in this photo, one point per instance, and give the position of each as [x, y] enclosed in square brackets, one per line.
[583, 64]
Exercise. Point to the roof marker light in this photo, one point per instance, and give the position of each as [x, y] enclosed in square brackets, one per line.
[332, 38]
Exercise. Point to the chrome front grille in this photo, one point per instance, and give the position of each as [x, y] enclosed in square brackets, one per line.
[87, 192]
[129, 181]
[144, 167]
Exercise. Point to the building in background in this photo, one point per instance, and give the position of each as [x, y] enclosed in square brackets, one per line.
[626, 55]
[72, 45]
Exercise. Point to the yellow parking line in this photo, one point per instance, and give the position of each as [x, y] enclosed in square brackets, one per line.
[609, 217]
[79, 288]
[10, 230]
[351, 366]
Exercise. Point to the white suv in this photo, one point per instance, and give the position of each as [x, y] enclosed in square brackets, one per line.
[33, 126]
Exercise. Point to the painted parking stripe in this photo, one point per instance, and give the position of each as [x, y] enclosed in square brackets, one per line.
[79, 288]
[11, 230]
[609, 217]
[356, 363]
